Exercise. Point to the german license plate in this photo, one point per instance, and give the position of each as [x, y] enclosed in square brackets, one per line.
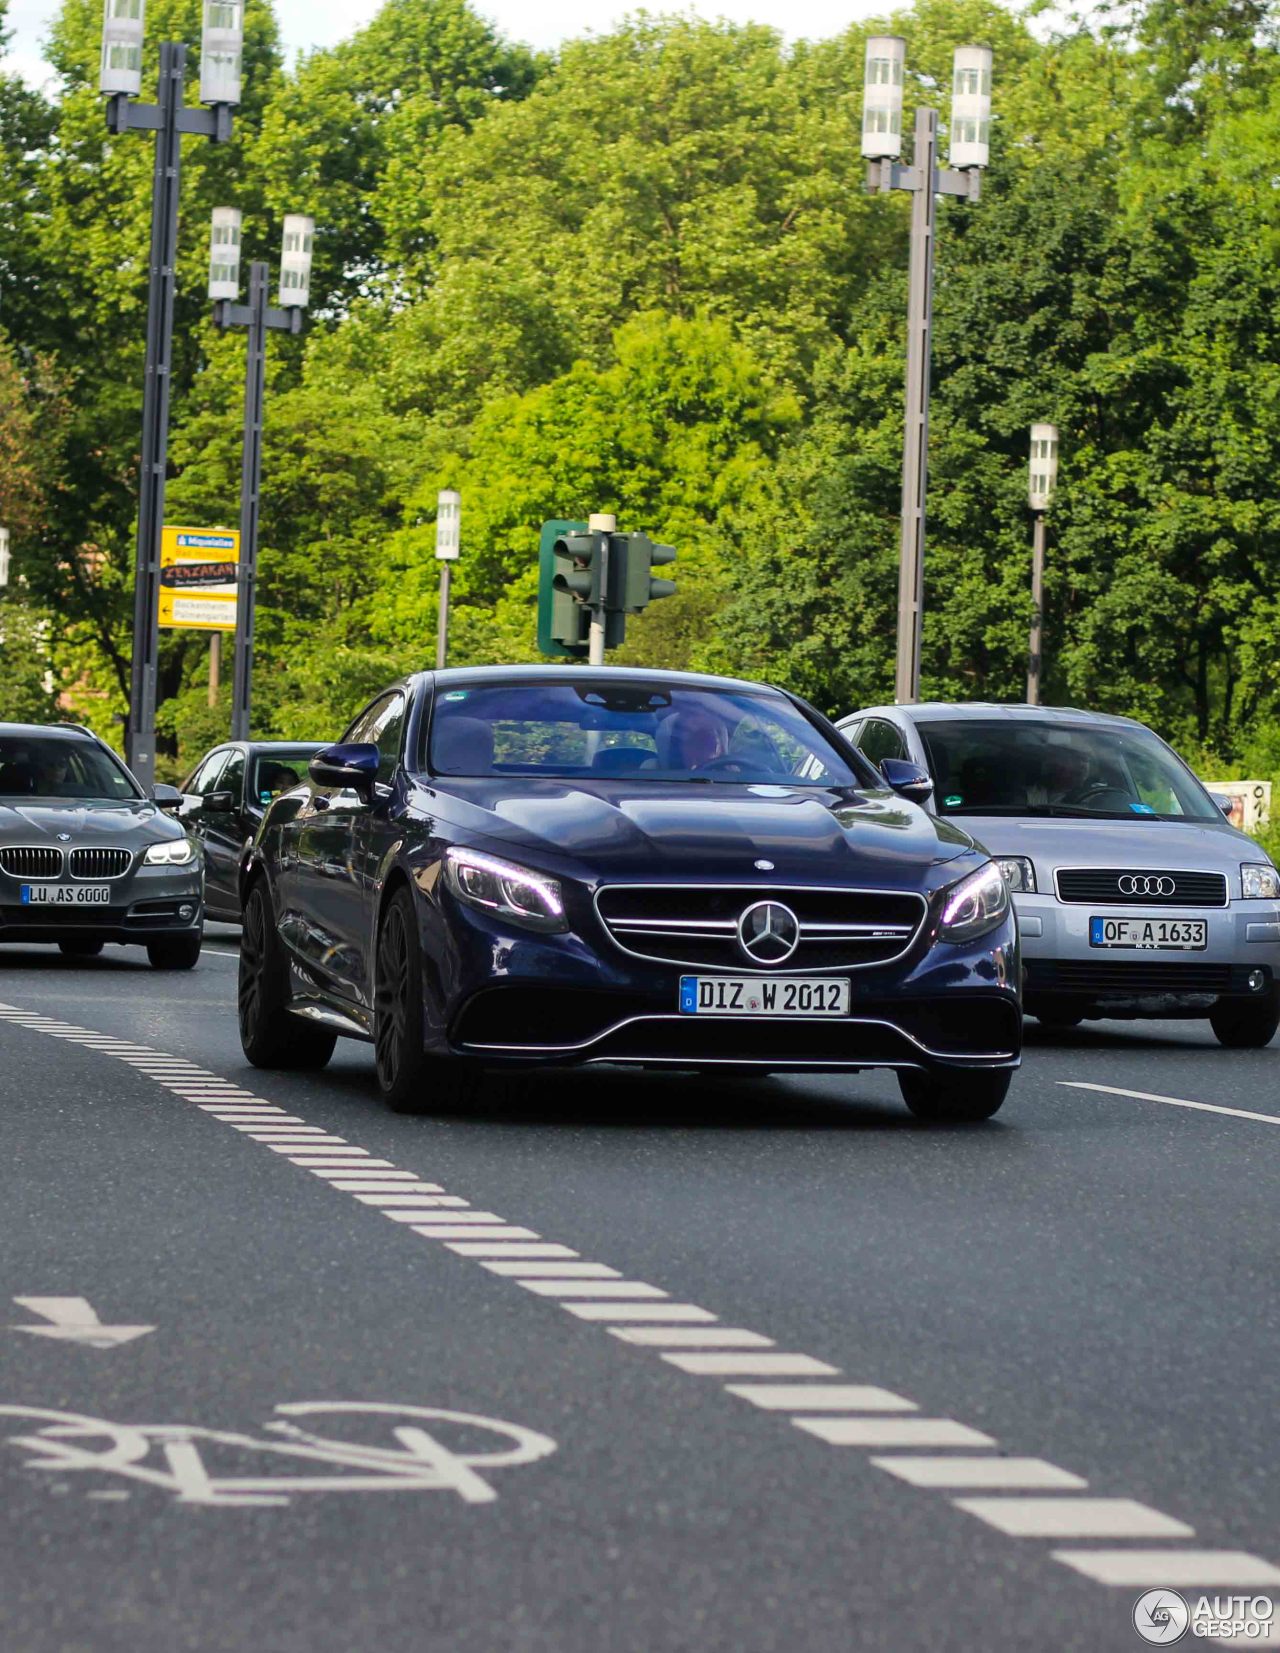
[764, 996]
[1186, 935]
[66, 895]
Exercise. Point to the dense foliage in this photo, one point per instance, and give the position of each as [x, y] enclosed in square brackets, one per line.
[644, 276]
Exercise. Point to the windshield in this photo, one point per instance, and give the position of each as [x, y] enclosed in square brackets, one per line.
[277, 771]
[51, 766]
[1036, 766]
[648, 732]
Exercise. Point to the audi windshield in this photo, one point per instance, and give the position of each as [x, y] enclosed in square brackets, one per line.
[1043, 767]
[656, 732]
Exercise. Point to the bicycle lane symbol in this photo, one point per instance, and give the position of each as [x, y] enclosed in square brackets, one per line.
[188, 1461]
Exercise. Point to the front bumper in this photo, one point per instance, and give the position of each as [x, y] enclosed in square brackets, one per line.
[1243, 943]
[509, 996]
[146, 903]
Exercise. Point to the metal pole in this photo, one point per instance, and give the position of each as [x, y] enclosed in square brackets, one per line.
[215, 666]
[442, 628]
[140, 746]
[600, 522]
[1037, 612]
[915, 447]
[250, 487]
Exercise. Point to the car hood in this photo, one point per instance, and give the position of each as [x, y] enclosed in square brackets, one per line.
[1208, 846]
[638, 829]
[41, 820]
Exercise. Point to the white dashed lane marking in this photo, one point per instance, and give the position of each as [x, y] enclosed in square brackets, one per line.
[689, 1338]
[1171, 1101]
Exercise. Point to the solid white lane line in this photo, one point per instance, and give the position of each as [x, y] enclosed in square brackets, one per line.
[690, 1337]
[503, 1233]
[510, 1248]
[1074, 1517]
[893, 1432]
[1172, 1569]
[749, 1365]
[638, 1311]
[217, 953]
[1011, 1473]
[822, 1397]
[531, 1270]
[591, 1288]
[1172, 1101]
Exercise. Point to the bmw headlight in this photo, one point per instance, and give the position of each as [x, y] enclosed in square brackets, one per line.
[975, 905]
[1259, 881]
[174, 852]
[1019, 874]
[516, 893]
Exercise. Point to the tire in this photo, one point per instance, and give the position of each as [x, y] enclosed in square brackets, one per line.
[954, 1098]
[410, 1081]
[174, 952]
[270, 1036]
[1246, 1024]
[80, 948]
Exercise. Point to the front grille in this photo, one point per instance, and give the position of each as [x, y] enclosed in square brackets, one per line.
[1102, 886]
[697, 924]
[1133, 979]
[100, 863]
[34, 861]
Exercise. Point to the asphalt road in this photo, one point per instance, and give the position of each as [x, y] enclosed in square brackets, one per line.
[1081, 1291]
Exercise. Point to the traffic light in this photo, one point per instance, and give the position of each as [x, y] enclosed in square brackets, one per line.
[640, 587]
[563, 621]
[586, 574]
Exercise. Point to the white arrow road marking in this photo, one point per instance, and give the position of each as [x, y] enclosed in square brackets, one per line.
[73, 1320]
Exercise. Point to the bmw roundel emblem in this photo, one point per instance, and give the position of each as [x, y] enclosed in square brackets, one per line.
[64, 837]
[768, 932]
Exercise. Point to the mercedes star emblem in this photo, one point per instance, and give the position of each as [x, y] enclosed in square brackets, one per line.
[768, 932]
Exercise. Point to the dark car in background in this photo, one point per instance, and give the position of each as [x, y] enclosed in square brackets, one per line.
[224, 799]
[556, 866]
[86, 857]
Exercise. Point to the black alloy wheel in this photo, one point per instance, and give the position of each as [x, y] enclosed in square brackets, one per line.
[1246, 1024]
[270, 1035]
[80, 947]
[175, 952]
[954, 1098]
[410, 1080]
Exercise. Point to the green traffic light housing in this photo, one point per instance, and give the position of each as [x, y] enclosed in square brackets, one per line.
[563, 620]
[585, 572]
[641, 586]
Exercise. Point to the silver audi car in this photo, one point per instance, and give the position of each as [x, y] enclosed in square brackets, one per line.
[1135, 898]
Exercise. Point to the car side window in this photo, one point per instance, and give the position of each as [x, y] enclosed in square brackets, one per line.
[385, 733]
[206, 776]
[881, 740]
[232, 779]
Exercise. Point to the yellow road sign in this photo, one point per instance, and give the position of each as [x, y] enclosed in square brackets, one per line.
[198, 577]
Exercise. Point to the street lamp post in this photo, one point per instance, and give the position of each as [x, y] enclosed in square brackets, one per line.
[258, 317]
[926, 180]
[1042, 479]
[120, 77]
[448, 541]
[4, 556]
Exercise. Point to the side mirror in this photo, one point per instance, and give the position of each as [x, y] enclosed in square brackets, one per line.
[167, 797]
[352, 767]
[908, 780]
[218, 803]
[1226, 805]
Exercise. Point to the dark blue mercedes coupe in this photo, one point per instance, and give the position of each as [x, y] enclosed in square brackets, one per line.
[559, 865]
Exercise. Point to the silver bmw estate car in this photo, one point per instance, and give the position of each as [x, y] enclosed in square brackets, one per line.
[1135, 898]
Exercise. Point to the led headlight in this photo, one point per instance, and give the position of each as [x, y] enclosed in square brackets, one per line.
[177, 852]
[975, 905]
[1259, 881]
[516, 893]
[1018, 872]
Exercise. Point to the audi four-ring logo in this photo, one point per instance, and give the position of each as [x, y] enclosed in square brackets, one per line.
[1145, 884]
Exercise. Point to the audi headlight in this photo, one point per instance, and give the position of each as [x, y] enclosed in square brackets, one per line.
[525, 897]
[975, 905]
[176, 852]
[1018, 873]
[1259, 881]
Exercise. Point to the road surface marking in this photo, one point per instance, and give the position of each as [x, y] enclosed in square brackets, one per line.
[1013, 1473]
[893, 1432]
[531, 1270]
[591, 1288]
[509, 1248]
[691, 1337]
[481, 1218]
[1171, 1569]
[822, 1397]
[402, 1197]
[748, 1365]
[638, 1311]
[505, 1232]
[1171, 1101]
[74, 1320]
[1074, 1517]
[382, 1174]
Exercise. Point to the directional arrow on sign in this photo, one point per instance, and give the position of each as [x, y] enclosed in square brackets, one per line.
[73, 1320]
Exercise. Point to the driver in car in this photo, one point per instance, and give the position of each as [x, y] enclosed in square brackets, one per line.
[1064, 773]
[695, 738]
[52, 772]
